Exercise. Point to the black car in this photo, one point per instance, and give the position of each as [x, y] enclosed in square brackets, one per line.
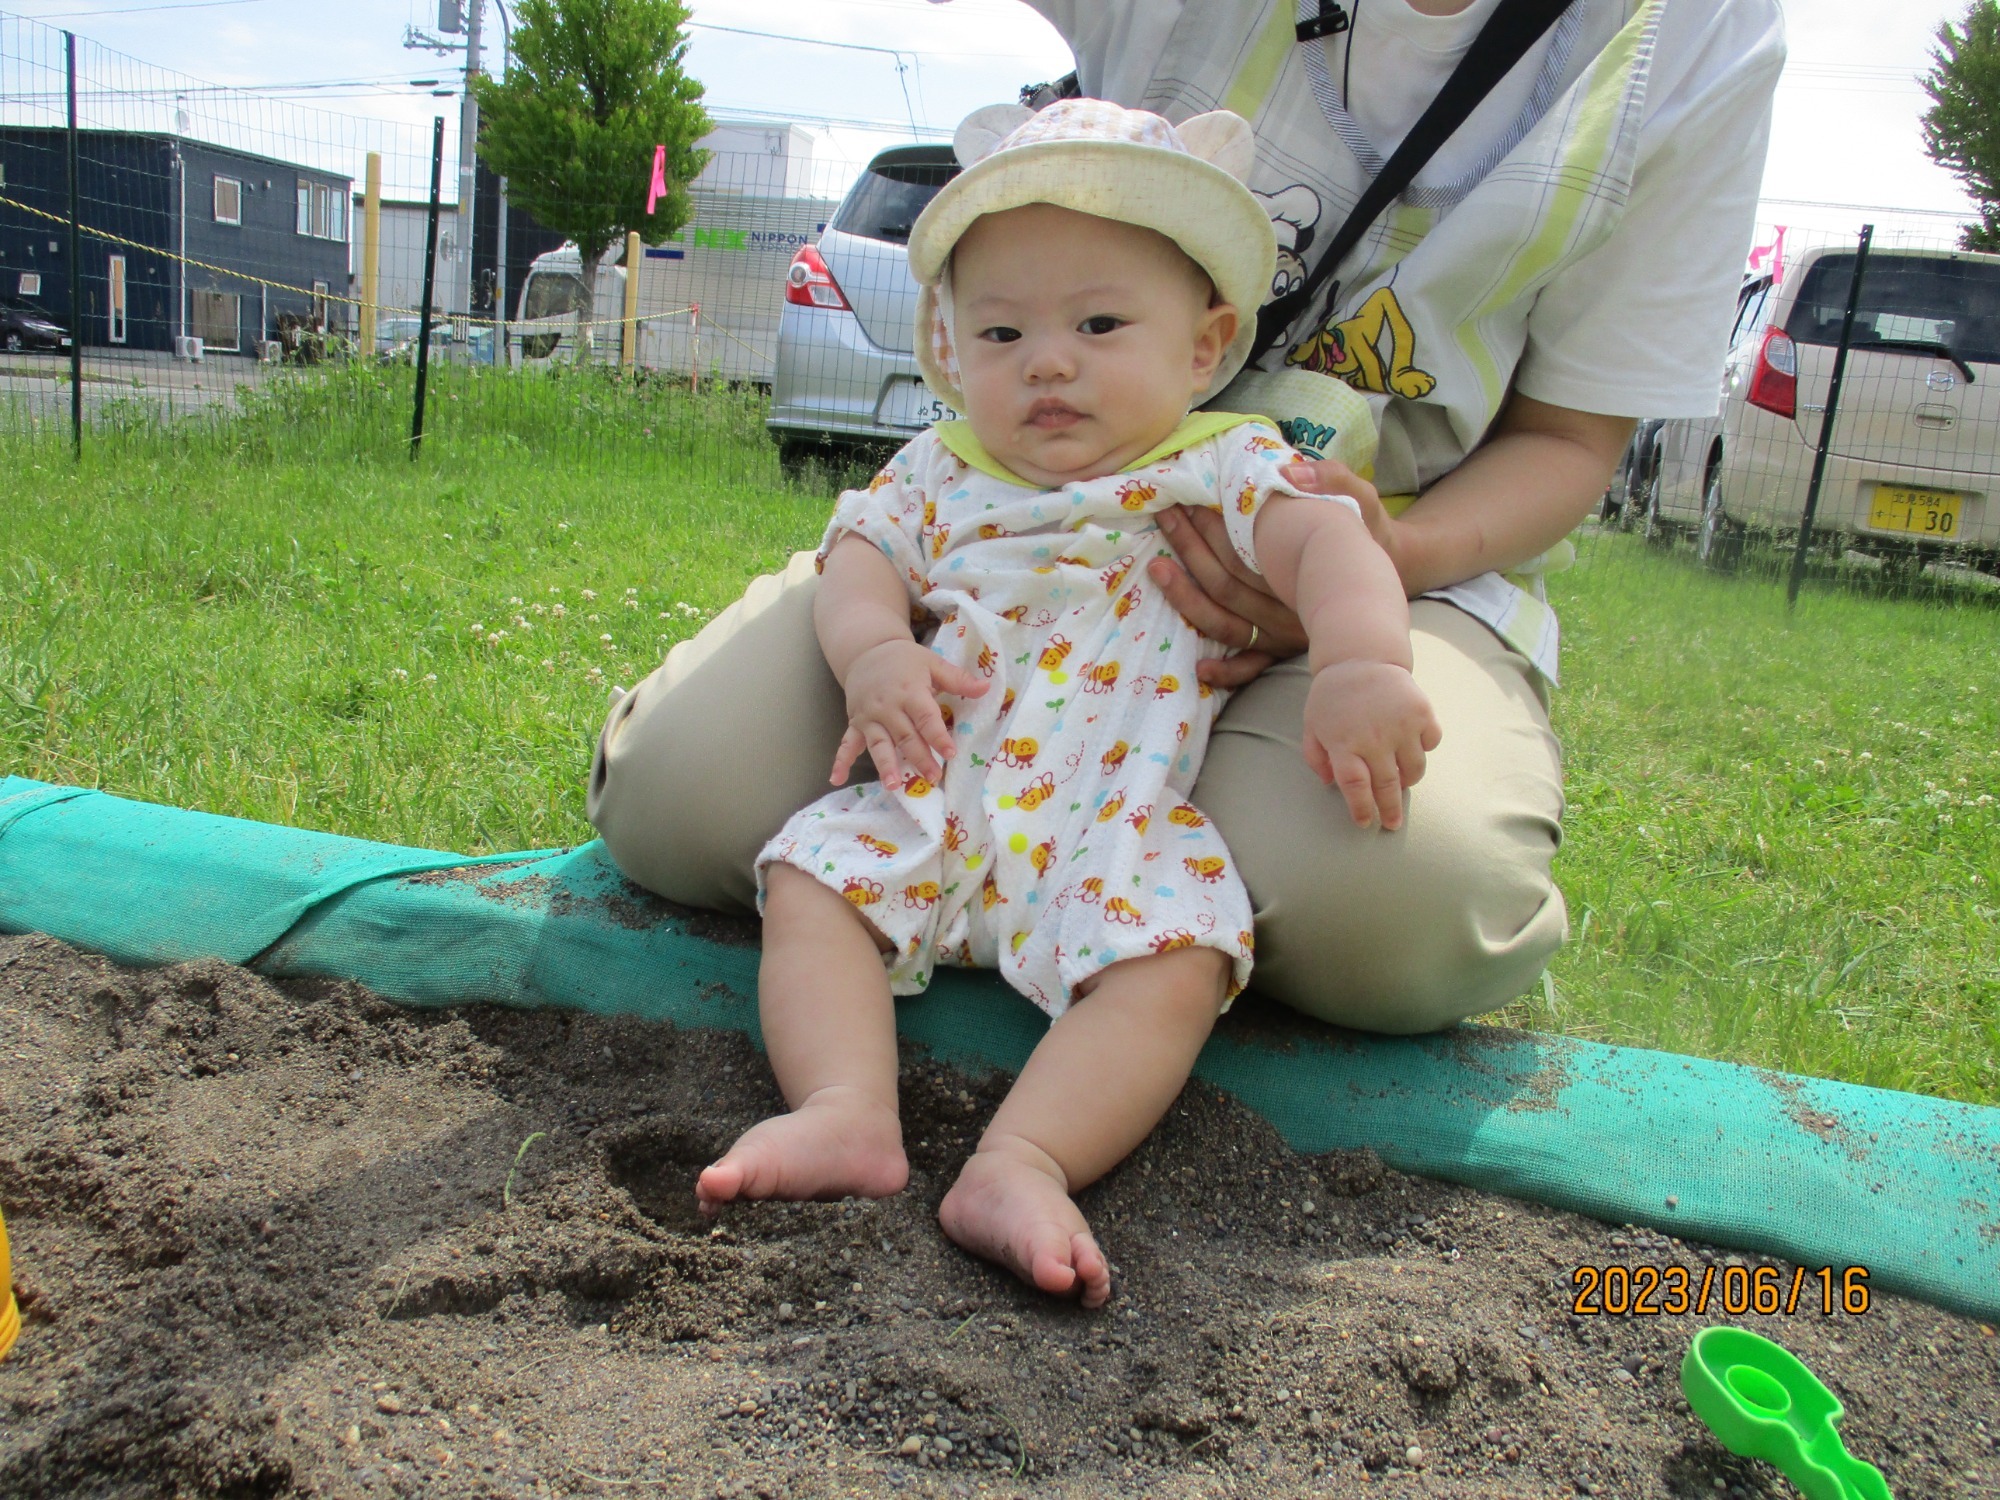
[25, 326]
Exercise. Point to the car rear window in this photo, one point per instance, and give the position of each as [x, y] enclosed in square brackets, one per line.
[1905, 299]
[893, 191]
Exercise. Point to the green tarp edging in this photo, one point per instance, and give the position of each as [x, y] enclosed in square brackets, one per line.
[1818, 1172]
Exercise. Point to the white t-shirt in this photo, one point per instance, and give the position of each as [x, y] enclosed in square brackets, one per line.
[1580, 239]
[1635, 325]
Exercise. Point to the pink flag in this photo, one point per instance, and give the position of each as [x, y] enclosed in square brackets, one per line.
[659, 188]
[1773, 253]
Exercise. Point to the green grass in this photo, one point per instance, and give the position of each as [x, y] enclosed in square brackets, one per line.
[1783, 847]
[1783, 841]
[275, 617]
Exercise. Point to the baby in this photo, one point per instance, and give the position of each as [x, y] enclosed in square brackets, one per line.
[1030, 700]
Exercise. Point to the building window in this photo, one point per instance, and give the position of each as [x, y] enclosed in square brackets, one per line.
[228, 201]
[115, 274]
[322, 211]
[31, 283]
[218, 321]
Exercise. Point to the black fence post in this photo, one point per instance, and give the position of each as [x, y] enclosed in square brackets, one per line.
[1827, 419]
[75, 268]
[430, 282]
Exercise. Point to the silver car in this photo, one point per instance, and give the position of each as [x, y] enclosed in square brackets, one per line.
[846, 375]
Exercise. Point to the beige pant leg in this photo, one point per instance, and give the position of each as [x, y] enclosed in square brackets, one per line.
[1409, 931]
[705, 759]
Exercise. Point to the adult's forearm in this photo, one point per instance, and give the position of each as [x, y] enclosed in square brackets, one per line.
[1523, 490]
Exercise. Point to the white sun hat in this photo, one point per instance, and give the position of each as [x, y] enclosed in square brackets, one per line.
[1183, 181]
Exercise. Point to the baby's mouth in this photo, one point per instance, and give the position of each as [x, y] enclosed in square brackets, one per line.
[1050, 413]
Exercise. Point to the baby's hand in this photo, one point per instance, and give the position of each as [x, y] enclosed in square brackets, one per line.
[1368, 726]
[892, 711]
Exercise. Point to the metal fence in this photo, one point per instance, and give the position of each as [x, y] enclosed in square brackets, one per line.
[174, 254]
[1857, 437]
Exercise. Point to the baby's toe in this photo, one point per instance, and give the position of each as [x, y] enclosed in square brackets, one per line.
[1093, 1272]
[719, 1184]
[1046, 1260]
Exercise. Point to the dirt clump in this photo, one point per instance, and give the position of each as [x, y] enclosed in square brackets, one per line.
[286, 1239]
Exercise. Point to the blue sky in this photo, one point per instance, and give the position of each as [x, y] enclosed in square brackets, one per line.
[1846, 128]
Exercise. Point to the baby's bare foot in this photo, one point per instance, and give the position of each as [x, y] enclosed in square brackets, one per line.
[838, 1142]
[1010, 1205]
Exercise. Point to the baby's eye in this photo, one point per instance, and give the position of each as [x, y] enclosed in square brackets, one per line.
[1102, 323]
[1000, 335]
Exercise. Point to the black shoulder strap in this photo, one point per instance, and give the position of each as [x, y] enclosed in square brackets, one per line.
[1514, 27]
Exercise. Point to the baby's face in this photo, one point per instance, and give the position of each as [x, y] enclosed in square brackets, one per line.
[1081, 341]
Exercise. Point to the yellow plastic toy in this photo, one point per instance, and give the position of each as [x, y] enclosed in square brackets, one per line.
[10, 1315]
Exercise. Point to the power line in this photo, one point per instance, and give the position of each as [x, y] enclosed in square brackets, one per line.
[142, 10]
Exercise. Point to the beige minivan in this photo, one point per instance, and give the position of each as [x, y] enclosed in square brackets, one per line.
[1913, 469]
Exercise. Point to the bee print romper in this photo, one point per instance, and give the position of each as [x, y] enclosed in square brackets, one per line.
[1062, 839]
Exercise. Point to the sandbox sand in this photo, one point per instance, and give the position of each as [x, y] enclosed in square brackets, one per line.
[266, 1245]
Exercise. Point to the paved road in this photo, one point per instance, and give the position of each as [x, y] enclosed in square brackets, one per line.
[34, 388]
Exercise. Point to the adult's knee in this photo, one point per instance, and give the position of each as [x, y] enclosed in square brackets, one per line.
[1445, 929]
[704, 760]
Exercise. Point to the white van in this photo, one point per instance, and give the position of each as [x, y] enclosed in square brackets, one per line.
[709, 298]
[1913, 469]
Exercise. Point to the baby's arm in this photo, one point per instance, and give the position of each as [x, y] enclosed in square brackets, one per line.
[1368, 724]
[862, 615]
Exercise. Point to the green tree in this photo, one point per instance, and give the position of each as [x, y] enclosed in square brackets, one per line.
[1962, 126]
[595, 87]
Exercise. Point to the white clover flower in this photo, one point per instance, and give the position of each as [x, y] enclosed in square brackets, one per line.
[595, 674]
[554, 590]
[1819, 765]
[430, 677]
[631, 603]
[663, 614]
[541, 609]
[515, 600]
[399, 674]
[588, 593]
[548, 662]
[557, 611]
[477, 629]
[1866, 755]
[629, 593]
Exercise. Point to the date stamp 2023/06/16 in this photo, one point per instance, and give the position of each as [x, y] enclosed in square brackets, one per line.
[1649, 1291]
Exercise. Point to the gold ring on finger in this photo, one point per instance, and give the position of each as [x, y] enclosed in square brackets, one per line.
[1254, 633]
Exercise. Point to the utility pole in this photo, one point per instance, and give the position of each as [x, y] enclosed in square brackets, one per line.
[455, 17]
[468, 140]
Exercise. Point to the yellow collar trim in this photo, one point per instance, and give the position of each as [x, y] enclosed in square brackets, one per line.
[1195, 427]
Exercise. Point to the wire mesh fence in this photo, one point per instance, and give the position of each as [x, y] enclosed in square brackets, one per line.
[1856, 442]
[180, 261]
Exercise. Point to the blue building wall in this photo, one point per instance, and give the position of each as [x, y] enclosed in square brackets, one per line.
[129, 192]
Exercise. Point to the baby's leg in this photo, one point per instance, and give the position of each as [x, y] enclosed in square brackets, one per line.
[1095, 1086]
[830, 1031]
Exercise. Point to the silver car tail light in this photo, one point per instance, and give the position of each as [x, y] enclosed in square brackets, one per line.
[808, 283]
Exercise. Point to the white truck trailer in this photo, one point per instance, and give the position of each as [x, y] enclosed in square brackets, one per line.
[709, 298]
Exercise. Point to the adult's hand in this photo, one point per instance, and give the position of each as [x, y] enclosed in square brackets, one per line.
[1222, 599]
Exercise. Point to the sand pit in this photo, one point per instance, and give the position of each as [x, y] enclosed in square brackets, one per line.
[267, 1244]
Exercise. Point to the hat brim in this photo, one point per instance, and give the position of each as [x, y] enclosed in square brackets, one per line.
[1201, 208]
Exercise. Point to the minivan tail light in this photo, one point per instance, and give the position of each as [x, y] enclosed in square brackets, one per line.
[808, 283]
[1774, 379]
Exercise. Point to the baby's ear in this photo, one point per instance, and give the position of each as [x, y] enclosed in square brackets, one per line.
[1212, 338]
[1223, 139]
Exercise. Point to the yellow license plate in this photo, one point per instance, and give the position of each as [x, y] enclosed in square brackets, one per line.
[1932, 513]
